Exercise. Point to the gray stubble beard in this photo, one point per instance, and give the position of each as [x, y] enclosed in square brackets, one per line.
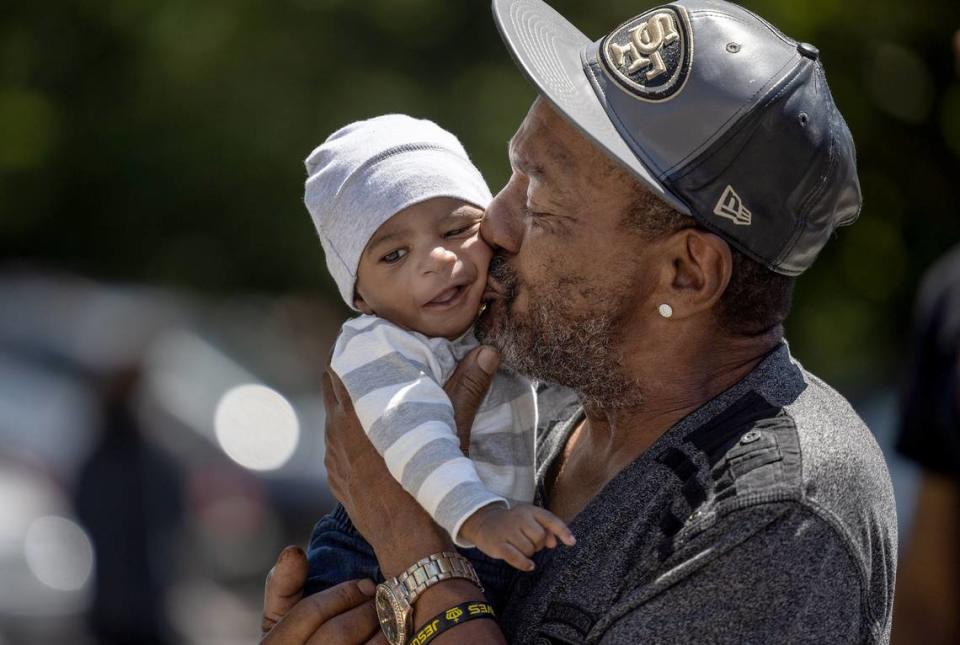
[552, 343]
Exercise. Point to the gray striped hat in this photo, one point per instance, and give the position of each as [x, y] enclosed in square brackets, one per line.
[368, 171]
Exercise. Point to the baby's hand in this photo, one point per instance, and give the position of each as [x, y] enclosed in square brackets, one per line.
[515, 534]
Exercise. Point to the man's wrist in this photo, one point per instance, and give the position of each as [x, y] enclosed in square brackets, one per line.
[451, 618]
[444, 595]
[451, 593]
[409, 543]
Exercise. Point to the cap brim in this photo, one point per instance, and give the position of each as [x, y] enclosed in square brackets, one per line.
[547, 49]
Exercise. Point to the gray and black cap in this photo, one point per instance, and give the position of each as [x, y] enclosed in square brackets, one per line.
[717, 112]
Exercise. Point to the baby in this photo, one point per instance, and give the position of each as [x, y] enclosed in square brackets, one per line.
[398, 205]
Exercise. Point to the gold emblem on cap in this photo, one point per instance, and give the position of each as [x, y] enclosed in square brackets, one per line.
[651, 54]
[646, 40]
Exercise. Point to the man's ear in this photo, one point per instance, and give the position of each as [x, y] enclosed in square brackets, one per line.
[703, 264]
[360, 304]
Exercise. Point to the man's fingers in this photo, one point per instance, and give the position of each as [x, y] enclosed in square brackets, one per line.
[468, 385]
[329, 397]
[337, 391]
[353, 626]
[284, 585]
[340, 391]
[379, 639]
[554, 525]
[308, 615]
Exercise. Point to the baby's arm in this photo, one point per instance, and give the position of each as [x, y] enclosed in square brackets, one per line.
[515, 534]
[393, 379]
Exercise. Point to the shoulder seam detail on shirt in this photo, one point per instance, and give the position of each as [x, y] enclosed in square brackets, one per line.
[834, 522]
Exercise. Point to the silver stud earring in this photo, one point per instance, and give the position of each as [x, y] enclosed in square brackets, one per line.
[665, 310]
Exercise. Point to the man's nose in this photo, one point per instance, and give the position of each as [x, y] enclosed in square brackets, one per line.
[502, 225]
[439, 259]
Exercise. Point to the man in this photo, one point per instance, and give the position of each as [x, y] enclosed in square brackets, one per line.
[667, 185]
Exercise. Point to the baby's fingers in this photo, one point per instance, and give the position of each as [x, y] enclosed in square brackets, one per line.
[518, 540]
[554, 525]
[515, 559]
[532, 530]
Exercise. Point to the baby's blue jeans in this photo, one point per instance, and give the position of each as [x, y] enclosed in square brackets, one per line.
[337, 552]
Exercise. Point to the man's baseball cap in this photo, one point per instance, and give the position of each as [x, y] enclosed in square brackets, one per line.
[711, 107]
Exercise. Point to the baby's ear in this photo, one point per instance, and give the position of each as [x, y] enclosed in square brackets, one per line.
[361, 304]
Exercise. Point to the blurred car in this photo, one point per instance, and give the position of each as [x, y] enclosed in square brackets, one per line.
[228, 392]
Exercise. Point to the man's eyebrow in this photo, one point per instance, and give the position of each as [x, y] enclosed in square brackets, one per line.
[557, 155]
[521, 163]
[562, 158]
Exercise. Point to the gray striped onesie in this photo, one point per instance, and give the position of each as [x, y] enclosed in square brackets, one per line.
[395, 379]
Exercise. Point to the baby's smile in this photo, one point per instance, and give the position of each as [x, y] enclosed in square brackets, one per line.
[448, 297]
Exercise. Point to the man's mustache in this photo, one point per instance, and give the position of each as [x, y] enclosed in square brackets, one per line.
[504, 275]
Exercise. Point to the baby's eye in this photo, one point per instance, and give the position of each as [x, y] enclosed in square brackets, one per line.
[394, 256]
[459, 231]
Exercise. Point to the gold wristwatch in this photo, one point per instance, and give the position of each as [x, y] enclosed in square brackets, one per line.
[396, 596]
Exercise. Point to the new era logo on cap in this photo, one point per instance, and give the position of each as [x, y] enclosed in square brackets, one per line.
[731, 207]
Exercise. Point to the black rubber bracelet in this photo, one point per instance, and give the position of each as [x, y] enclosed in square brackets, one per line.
[449, 619]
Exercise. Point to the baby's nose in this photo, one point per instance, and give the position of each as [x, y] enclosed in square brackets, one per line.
[440, 257]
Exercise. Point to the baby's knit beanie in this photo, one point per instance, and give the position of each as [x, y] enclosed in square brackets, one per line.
[368, 171]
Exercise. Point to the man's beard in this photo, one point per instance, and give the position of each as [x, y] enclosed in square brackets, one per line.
[553, 343]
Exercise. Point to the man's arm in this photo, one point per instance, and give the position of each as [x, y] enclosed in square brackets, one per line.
[792, 581]
[290, 619]
[397, 528]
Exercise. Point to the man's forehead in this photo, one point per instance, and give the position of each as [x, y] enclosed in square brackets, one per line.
[546, 141]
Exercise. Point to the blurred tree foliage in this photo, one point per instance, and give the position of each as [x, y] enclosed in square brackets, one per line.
[162, 140]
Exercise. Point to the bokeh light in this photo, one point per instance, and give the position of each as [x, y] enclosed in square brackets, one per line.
[59, 553]
[912, 98]
[257, 427]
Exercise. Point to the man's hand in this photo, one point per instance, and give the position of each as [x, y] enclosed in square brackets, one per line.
[467, 386]
[344, 614]
[376, 503]
[397, 528]
[515, 534]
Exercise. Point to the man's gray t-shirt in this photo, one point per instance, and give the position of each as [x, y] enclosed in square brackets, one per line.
[765, 516]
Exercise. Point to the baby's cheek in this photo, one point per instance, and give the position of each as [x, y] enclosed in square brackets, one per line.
[479, 252]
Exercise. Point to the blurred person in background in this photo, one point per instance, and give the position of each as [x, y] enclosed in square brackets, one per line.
[927, 606]
[928, 594]
[128, 496]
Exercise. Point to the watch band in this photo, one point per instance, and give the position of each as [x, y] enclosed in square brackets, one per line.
[434, 568]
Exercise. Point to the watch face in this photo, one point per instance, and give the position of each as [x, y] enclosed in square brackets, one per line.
[391, 614]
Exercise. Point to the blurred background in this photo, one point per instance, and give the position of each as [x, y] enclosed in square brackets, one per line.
[165, 312]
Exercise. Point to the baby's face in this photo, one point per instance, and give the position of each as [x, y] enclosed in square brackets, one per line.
[425, 268]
